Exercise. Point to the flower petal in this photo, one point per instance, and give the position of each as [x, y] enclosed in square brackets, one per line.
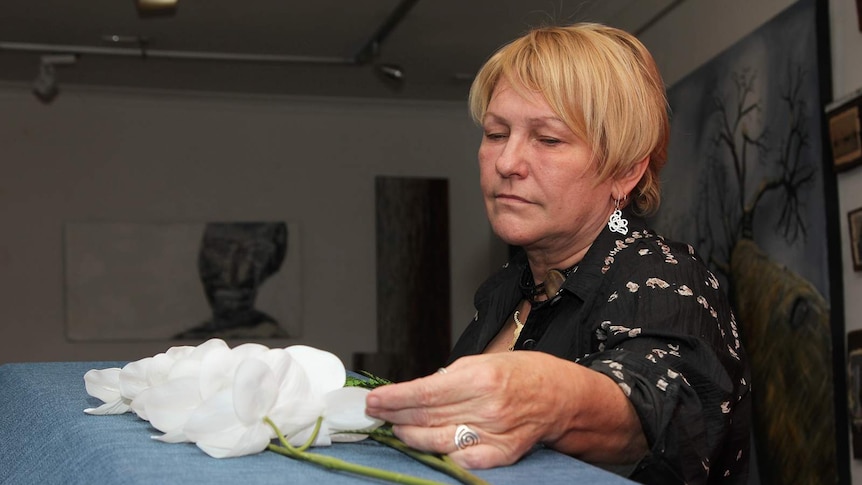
[212, 344]
[345, 410]
[159, 368]
[178, 352]
[216, 429]
[293, 383]
[169, 405]
[183, 368]
[213, 417]
[217, 372]
[294, 415]
[324, 369]
[134, 378]
[300, 437]
[281, 363]
[103, 384]
[244, 351]
[173, 436]
[254, 391]
[337, 437]
[119, 406]
[243, 441]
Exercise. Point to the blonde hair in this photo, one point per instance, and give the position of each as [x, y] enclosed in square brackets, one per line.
[603, 83]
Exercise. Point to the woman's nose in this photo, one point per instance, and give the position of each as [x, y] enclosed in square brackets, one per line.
[512, 161]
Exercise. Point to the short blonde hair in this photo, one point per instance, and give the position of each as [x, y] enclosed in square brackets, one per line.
[603, 83]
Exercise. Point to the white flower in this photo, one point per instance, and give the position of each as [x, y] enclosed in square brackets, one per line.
[219, 398]
[231, 422]
[291, 387]
[343, 408]
[344, 411]
[104, 384]
[194, 377]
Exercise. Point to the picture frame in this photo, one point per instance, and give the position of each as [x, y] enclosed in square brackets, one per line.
[181, 281]
[703, 166]
[854, 389]
[845, 134]
[854, 230]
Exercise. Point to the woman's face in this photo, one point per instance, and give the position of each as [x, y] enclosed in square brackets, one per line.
[541, 191]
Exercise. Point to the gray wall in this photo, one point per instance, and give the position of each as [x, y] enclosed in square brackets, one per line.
[148, 157]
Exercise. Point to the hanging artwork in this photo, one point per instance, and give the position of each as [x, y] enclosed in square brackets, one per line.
[845, 134]
[744, 184]
[854, 230]
[133, 281]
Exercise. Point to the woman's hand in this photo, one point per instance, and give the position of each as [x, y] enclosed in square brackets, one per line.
[512, 401]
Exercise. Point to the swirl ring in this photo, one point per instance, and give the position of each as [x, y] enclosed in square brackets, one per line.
[464, 437]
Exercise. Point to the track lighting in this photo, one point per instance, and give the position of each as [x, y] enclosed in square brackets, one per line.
[45, 86]
[46, 89]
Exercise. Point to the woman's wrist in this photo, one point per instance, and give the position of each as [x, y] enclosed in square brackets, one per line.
[596, 422]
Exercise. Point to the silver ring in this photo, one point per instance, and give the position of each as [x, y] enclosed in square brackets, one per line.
[442, 370]
[464, 437]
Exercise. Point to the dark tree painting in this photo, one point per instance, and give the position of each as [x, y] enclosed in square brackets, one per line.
[744, 184]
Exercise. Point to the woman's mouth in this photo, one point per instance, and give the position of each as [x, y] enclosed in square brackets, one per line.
[511, 198]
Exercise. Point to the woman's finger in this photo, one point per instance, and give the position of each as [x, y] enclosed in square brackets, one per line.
[429, 401]
[437, 439]
[467, 445]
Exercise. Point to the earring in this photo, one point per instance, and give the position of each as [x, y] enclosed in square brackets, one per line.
[617, 223]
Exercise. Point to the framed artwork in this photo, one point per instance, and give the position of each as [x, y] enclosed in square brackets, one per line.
[854, 229]
[746, 184]
[845, 139]
[854, 389]
[182, 281]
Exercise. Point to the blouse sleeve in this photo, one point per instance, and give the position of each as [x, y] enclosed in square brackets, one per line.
[667, 336]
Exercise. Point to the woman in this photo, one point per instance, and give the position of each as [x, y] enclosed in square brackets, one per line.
[602, 339]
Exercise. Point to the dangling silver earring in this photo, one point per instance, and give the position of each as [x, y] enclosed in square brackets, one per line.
[617, 223]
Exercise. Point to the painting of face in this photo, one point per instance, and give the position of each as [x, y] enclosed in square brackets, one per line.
[185, 280]
[538, 181]
[234, 261]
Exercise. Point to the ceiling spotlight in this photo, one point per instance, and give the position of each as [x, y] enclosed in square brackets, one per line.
[392, 71]
[45, 85]
[156, 8]
[391, 74]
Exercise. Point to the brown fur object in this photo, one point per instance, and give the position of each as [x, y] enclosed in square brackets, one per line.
[786, 331]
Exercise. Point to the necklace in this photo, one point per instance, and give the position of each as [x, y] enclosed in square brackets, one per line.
[538, 294]
[519, 325]
[547, 289]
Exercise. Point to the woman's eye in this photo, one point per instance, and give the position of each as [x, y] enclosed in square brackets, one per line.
[495, 136]
[549, 141]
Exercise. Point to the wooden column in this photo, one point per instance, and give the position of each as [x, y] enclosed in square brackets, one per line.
[413, 291]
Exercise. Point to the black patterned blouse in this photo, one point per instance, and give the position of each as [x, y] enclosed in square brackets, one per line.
[648, 313]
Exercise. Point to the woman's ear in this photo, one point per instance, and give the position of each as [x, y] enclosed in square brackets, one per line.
[625, 183]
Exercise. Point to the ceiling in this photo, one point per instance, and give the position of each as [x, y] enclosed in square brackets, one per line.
[286, 47]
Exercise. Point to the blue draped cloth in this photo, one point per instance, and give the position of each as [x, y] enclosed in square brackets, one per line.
[46, 438]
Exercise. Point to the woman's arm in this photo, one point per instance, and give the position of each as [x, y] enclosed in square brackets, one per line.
[513, 401]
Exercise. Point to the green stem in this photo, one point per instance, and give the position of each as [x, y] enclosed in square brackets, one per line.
[336, 464]
[310, 439]
[440, 463]
[299, 453]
